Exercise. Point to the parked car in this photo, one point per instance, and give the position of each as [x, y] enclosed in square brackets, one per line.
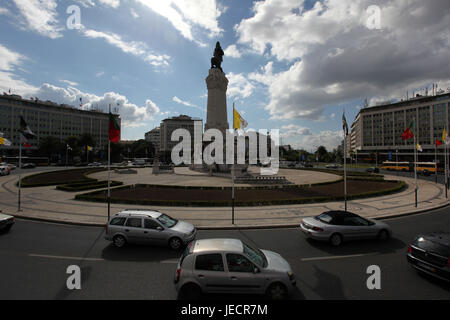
[94, 164]
[4, 170]
[149, 227]
[232, 266]
[6, 222]
[332, 166]
[430, 253]
[28, 166]
[9, 165]
[339, 226]
[373, 170]
[308, 165]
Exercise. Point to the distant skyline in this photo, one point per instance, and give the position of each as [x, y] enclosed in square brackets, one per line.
[292, 65]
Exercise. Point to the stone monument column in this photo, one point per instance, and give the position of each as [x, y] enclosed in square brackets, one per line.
[216, 115]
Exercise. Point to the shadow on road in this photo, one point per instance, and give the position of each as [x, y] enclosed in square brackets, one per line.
[437, 282]
[142, 253]
[359, 247]
[329, 286]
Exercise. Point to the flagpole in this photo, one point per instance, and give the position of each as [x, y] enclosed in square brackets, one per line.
[435, 161]
[232, 175]
[67, 154]
[345, 171]
[415, 160]
[109, 173]
[445, 168]
[20, 173]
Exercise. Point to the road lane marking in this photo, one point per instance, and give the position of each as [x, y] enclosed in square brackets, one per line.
[64, 257]
[338, 257]
[169, 261]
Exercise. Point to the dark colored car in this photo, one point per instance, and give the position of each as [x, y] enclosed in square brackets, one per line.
[430, 254]
[373, 170]
[28, 166]
[6, 222]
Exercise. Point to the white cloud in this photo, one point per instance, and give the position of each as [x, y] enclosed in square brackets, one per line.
[186, 103]
[334, 58]
[184, 15]
[99, 74]
[294, 131]
[239, 85]
[232, 51]
[111, 3]
[10, 62]
[329, 139]
[40, 16]
[130, 113]
[135, 48]
[4, 11]
[70, 83]
[134, 13]
[86, 3]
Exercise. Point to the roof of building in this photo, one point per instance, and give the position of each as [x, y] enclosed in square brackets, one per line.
[48, 103]
[410, 102]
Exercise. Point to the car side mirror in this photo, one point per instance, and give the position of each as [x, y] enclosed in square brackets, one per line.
[256, 270]
[159, 228]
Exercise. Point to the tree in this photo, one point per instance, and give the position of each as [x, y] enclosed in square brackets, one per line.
[49, 146]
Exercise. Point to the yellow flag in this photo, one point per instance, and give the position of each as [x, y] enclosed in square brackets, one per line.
[443, 136]
[89, 148]
[238, 121]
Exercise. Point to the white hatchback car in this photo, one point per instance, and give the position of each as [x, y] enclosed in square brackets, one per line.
[4, 170]
[231, 266]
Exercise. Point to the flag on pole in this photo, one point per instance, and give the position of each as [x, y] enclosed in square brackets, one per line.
[444, 134]
[438, 143]
[238, 121]
[4, 141]
[114, 129]
[68, 147]
[25, 133]
[419, 148]
[409, 132]
[344, 124]
[89, 148]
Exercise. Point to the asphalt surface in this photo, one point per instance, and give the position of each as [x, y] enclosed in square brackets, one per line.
[34, 257]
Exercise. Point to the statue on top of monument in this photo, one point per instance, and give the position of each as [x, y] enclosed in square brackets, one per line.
[216, 60]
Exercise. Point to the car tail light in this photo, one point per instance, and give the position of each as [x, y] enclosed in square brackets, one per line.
[177, 278]
[409, 249]
[317, 229]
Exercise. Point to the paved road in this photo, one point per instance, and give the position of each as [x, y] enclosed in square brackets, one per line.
[34, 257]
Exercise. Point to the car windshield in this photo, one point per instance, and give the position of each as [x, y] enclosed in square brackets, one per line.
[255, 255]
[324, 217]
[167, 221]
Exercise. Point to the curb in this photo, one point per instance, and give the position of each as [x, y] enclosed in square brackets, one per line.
[235, 227]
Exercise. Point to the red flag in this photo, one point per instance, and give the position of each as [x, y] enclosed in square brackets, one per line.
[114, 129]
[409, 132]
[26, 145]
[438, 143]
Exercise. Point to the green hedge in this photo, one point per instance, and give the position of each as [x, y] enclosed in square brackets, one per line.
[98, 196]
[87, 186]
[41, 175]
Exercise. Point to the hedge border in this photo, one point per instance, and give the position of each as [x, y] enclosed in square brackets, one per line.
[24, 184]
[400, 186]
[90, 186]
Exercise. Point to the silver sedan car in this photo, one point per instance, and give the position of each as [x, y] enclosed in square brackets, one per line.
[339, 226]
[149, 227]
[232, 266]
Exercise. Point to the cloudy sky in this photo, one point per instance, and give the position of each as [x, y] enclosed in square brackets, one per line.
[293, 65]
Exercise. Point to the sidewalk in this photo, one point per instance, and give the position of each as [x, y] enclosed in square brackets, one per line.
[46, 203]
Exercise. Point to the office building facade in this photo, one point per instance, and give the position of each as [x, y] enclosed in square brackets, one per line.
[46, 118]
[378, 129]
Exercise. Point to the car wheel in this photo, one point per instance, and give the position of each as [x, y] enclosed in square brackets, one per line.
[175, 243]
[119, 241]
[191, 291]
[336, 239]
[276, 291]
[383, 235]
